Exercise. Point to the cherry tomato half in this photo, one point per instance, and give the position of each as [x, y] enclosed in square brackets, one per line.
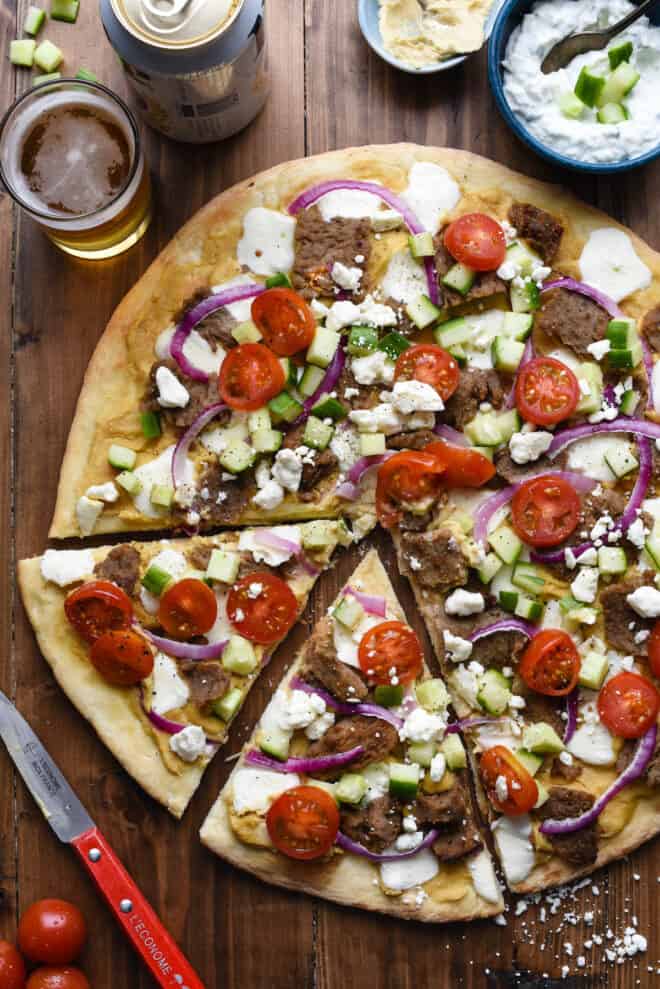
[406, 480]
[286, 322]
[477, 241]
[464, 468]
[546, 391]
[303, 822]
[390, 651]
[545, 510]
[250, 376]
[188, 608]
[97, 607]
[628, 705]
[522, 791]
[52, 931]
[550, 664]
[431, 364]
[122, 657]
[58, 978]
[262, 607]
[12, 967]
[654, 649]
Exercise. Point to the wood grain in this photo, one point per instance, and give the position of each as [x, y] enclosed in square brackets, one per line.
[329, 91]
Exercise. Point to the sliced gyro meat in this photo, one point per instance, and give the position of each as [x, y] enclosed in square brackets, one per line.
[541, 230]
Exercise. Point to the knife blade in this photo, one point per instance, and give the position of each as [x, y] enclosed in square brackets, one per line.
[73, 825]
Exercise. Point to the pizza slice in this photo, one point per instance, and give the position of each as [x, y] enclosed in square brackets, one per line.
[353, 786]
[158, 643]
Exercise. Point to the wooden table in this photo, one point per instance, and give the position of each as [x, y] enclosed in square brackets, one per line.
[329, 91]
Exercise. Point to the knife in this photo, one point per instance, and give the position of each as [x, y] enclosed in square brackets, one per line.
[72, 824]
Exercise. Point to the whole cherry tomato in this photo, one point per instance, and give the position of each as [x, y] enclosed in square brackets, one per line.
[58, 978]
[52, 931]
[12, 967]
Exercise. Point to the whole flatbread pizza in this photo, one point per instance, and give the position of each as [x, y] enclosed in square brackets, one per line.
[423, 338]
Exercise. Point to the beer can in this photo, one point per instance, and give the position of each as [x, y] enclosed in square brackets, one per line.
[197, 68]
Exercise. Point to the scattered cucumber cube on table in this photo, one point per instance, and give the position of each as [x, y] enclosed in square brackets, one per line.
[48, 56]
[64, 10]
[86, 75]
[34, 20]
[22, 52]
[46, 77]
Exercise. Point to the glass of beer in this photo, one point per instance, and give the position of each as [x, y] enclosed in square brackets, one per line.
[70, 156]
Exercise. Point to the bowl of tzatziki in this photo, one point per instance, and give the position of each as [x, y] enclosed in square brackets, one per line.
[601, 113]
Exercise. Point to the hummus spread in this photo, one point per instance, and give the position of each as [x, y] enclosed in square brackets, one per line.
[421, 32]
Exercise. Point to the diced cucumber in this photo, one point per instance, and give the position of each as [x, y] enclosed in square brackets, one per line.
[274, 741]
[612, 560]
[129, 482]
[237, 457]
[517, 324]
[543, 795]
[618, 84]
[310, 381]
[21, 52]
[506, 544]
[589, 87]
[290, 372]
[46, 77]
[652, 547]
[372, 444]
[156, 580]
[259, 419]
[592, 374]
[463, 519]
[404, 780]
[571, 105]
[162, 495]
[280, 280]
[422, 311]
[626, 359]
[528, 609]
[362, 340]
[388, 695]
[569, 603]
[432, 694]
[453, 332]
[349, 612]
[621, 332]
[267, 440]
[228, 705]
[422, 753]
[246, 332]
[121, 457]
[525, 260]
[506, 353]
[34, 20]
[491, 565]
[394, 344]
[323, 347]
[509, 422]
[460, 278]
[322, 534]
[629, 402]
[64, 10]
[421, 245]
[223, 566]
[351, 788]
[620, 460]
[508, 600]
[620, 53]
[48, 56]
[317, 434]
[494, 692]
[285, 407]
[612, 113]
[524, 297]
[483, 430]
[529, 760]
[86, 75]
[526, 576]
[453, 751]
[239, 656]
[459, 355]
[593, 670]
[329, 408]
[150, 423]
[542, 739]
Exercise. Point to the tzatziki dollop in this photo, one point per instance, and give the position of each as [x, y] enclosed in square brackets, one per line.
[535, 97]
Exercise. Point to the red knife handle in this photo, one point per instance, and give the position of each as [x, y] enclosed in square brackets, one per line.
[140, 922]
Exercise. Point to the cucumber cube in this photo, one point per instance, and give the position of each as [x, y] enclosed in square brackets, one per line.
[422, 753]
[34, 20]
[239, 656]
[86, 75]
[48, 56]
[259, 419]
[571, 106]
[323, 347]
[620, 461]
[121, 457]
[612, 113]
[589, 87]
[523, 258]
[274, 741]
[453, 333]
[329, 408]
[432, 694]
[319, 535]
[280, 280]
[422, 312]
[310, 381]
[459, 355]
[542, 739]
[246, 332]
[453, 751]
[162, 495]
[517, 325]
[494, 692]
[317, 434]
[351, 788]
[267, 440]
[506, 544]
[612, 560]
[531, 762]
[593, 376]
[362, 340]
[460, 278]
[46, 77]
[527, 578]
[622, 80]
[285, 407]
[150, 423]
[509, 600]
[349, 612]
[156, 580]
[528, 609]
[394, 344]
[404, 780]
[389, 695]
[223, 566]
[507, 353]
[491, 566]
[621, 332]
[64, 10]
[22, 52]
[629, 402]
[290, 372]
[525, 298]
[228, 705]
[237, 457]
[593, 670]
[620, 53]
[129, 482]
[652, 547]
[421, 245]
[543, 795]
[372, 444]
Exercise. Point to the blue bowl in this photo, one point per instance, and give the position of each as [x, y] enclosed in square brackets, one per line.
[507, 20]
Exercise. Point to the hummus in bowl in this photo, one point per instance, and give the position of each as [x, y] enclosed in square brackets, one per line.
[420, 33]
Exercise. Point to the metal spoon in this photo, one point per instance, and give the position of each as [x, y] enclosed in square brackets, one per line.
[590, 41]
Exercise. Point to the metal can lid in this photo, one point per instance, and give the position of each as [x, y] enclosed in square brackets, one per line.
[176, 24]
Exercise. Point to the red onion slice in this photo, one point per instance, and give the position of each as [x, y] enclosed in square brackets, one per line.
[184, 650]
[347, 491]
[372, 604]
[348, 707]
[629, 424]
[356, 849]
[640, 761]
[316, 192]
[647, 359]
[604, 301]
[505, 625]
[200, 312]
[184, 442]
[466, 723]
[275, 541]
[317, 764]
[350, 489]
[571, 715]
[165, 725]
[449, 434]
